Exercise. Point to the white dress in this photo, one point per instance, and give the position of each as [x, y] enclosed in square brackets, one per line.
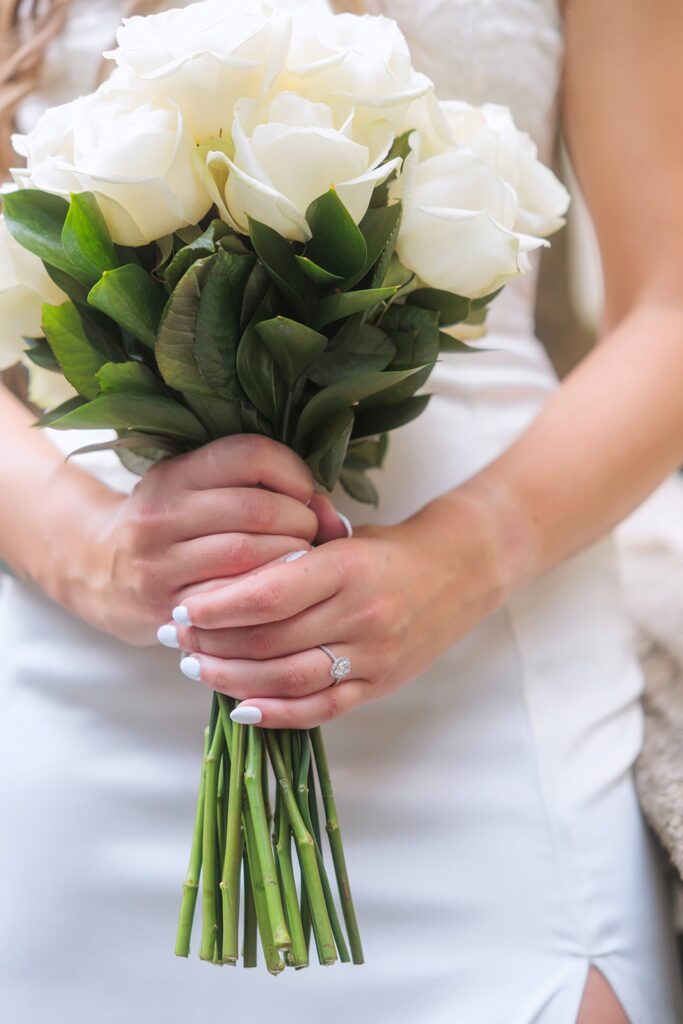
[495, 844]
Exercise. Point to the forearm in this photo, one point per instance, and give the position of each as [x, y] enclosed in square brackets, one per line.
[612, 431]
[46, 506]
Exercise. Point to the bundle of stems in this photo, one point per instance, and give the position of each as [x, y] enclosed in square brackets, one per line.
[241, 854]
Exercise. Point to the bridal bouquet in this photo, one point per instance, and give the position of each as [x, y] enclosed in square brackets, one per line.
[263, 221]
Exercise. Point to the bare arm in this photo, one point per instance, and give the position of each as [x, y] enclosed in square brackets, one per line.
[122, 562]
[614, 429]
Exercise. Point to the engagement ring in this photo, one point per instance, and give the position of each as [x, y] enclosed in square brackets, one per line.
[341, 667]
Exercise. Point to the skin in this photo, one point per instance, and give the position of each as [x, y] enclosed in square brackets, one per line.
[612, 431]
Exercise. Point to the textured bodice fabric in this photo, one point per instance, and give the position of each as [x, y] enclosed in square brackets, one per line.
[494, 841]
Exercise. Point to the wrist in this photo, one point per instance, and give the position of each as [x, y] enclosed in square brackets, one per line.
[72, 560]
[481, 531]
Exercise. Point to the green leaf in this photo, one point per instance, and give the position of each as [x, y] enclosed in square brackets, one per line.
[358, 486]
[318, 275]
[78, 357]
[220, 416]
[334, 307]
[486, 299]
[149, 413]
[51, 415]
[255, 291]
[337, 244]
[132, 442]
[400, 147]
[218, 322]
[402, 388]
[346, 393]
[415, 333]
[326, 456]
[258, 372]
[379, 228]
[72, 288]
[86, 239]
[380, 419]
[277, 255]
[131, 377]
[452, 308]
[367, 453]
[175, 341]
[40, 353]
[133, 299]
[292, 345]
[365, 349]
[449, 344]
[35, 219]
[203, 245]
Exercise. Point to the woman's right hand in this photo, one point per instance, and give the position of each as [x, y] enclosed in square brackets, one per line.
[227, 508]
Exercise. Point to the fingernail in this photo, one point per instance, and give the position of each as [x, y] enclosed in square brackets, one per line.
[191, 668]
[181, 616]
[294, 555]
[168, 635]
[246, 716]
[346, 523]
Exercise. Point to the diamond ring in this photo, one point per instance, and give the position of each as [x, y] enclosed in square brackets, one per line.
[341, 667]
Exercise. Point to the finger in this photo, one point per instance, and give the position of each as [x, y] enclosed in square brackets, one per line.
[270, 596]
[229, 556]
[297, 675]
[243, 510]
[305, 712]
[242, 460]
[332, 525]
[319, 625]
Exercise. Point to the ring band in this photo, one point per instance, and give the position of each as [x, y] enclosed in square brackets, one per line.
[341, 667]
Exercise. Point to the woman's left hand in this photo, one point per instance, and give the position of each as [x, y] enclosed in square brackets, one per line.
[391, 599]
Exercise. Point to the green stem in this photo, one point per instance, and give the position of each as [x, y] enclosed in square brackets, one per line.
[209, 847]
[273, 961]
[230, 881]
[191, 883]
[306, 851]
[249, 957]
[254, 785]
[335, 839]
[303, 802]
[298, 955]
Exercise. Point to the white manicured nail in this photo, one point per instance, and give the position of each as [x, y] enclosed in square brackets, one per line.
[191, 668]
[181, 616]
[294, 555]
[246, 716]
[346, 523]
[168, 635]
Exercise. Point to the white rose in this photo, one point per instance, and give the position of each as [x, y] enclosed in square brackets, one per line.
[206, 56]
[289, 152]
[24, 286]
[360, 63]
[457, 227]
[134, 153]
[491, 134]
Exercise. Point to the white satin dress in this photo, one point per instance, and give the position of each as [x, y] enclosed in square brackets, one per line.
[495, 845]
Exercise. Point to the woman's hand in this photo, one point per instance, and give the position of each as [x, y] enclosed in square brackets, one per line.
[391, 599]
[190, 523]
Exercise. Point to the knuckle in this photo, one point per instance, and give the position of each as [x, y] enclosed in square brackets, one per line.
[260, 510]
[265, 599]
[293, 680]
[332, 708]
[260, 644]
[240, 550]
[376, 612]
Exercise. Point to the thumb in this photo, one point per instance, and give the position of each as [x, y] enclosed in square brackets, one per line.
[332, 525]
